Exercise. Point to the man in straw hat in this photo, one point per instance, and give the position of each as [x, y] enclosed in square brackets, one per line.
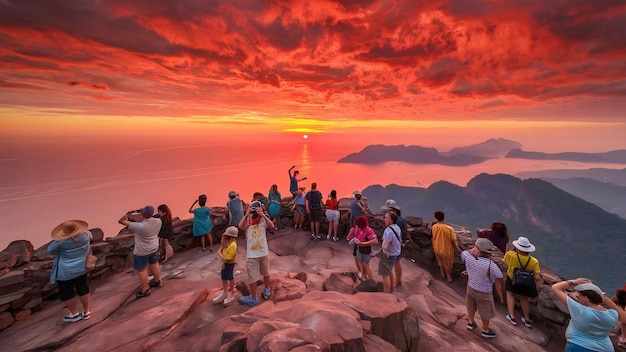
[70, 246]
[146, 251]
[482, 273]
[520, 258]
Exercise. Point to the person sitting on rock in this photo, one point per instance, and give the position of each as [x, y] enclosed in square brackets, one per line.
[255, 224]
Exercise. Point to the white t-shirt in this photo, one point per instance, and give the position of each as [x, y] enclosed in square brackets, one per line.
[257, 240]
[146, 236]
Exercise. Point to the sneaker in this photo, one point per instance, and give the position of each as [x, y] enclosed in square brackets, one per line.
[86, 315]
[511, 319]
[314, 237]
[219, 299]
[157, 284]
[266, 293]
[336, 239]
[327, 237]
[488, 334]
[72, 318]
[203, 250]
[248, 300]
[527, 322]
[140, 294]
[229, 300]
[471, 326]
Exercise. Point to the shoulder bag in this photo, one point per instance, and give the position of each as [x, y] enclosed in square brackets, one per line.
[90, 260]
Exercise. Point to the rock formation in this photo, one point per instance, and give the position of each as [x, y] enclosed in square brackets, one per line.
[317, 302]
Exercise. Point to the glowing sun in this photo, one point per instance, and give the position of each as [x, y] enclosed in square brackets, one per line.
[306, 136]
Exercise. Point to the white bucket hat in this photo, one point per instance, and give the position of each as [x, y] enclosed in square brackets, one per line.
[524, 245]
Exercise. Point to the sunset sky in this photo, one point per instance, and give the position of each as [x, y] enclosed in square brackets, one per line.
[317, 66]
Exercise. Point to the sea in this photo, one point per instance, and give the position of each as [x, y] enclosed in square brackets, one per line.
[44, 182]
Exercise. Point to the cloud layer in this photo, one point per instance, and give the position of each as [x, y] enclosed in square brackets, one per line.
[322, 60]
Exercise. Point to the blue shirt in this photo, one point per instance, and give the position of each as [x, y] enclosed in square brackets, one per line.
[589, 327]
[69, 261]
[394, 247]
[355, 211]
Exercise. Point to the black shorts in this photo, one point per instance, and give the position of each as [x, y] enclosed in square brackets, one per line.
[316, 215]
[522, 291]
[66, 288]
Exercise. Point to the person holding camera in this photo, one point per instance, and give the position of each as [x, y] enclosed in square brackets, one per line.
[146, 250]
[255, 225]
[592, 315]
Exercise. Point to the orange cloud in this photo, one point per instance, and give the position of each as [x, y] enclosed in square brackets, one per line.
[331, 61]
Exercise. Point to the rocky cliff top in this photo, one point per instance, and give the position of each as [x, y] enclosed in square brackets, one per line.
[317, 303]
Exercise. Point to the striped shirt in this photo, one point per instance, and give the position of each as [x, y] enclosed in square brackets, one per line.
[477, 269]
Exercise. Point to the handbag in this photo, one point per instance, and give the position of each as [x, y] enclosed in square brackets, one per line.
[523, 278]
[90, 260]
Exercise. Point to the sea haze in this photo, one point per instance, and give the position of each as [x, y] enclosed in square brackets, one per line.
[44, 182]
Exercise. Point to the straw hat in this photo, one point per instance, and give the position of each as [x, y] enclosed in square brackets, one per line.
[524, 245]
[69, 229]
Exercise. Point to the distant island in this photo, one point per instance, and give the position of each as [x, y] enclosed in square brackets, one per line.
[471, 155]
[614, 156]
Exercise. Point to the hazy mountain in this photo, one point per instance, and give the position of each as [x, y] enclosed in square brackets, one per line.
[615, 176]
[573, 237]
[606, 195]
[491, 148]
[615, 156]
[376, 154]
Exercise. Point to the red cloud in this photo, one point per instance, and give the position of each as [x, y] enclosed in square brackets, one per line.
[352, 58]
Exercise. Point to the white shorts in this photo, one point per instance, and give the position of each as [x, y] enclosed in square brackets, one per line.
[332, 215]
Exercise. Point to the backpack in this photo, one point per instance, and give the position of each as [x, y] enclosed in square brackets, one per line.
[523, 278]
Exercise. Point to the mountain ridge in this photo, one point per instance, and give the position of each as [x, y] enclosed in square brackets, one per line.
[562, 225]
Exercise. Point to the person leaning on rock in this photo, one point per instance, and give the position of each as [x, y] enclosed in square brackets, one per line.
[146, 251]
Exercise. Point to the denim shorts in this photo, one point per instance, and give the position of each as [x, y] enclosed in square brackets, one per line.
[227, 271]
[141, 261]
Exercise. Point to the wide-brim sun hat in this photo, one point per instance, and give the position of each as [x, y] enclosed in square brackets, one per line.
[588, 286]
[356, 193]
[484, 244]
[69, 229]
[231, 231]
[524, 245]
[390, 204]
